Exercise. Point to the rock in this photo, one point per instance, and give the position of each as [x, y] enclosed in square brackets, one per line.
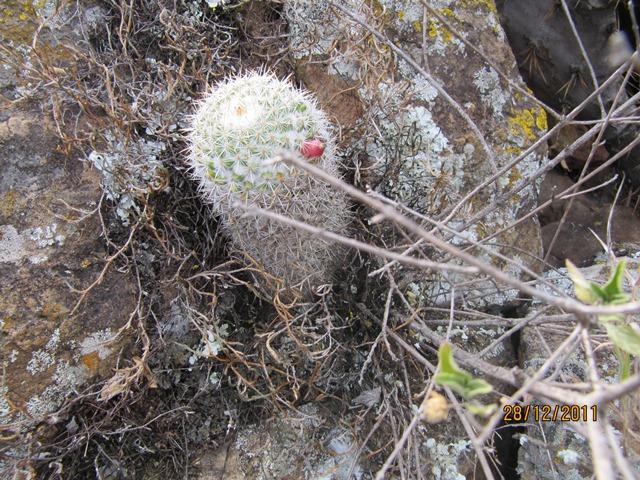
[418, 148]
[553, 65]
[587, 219]
[49, 352]
[549, 449]
[50, 249]
[566, 136]
[552, 186]
[312, 444]
[303, 444]
[548, 55]
[575, 242]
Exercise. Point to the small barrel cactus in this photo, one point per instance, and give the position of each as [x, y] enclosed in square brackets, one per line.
[236, 132]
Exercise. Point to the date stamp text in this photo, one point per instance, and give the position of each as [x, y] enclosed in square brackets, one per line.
[549, 413]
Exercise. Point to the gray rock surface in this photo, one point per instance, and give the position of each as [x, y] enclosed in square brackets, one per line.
[400, 134]
[553, 65]
[303, 444]
[50, 249]
[553, 449]
[47, 351]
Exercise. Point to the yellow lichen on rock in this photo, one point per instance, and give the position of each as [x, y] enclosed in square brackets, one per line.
[525, 120]
[488, 4]
[436, 29]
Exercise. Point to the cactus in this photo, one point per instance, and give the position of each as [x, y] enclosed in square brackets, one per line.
[238, 128]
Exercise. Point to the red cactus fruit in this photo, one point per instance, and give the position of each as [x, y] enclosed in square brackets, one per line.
[312, 148]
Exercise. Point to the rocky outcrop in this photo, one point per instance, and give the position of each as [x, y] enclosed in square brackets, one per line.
[555, 449]
[50, 250]
[553, 62]
[427, 138]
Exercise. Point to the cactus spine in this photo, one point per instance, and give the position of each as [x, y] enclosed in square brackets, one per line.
[238, 128]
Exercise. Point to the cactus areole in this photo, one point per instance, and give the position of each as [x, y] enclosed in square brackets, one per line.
[239, 128]
[243, 124]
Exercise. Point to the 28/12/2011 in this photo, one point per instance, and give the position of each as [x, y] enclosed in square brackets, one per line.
[550, 413]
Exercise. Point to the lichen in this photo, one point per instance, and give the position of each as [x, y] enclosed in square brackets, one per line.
[11, 244]
[47, 236]
[487, 81]
[98, 342]
[445, 458]
[123, 178]
[524, 121]
[211, 344]
[43, 359]
[65, 380]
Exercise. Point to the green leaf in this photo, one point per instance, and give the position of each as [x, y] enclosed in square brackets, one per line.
[452, 376]
[480, 409]
[599, 292]
[625, 361]
[478, 386]
[625, 337]
[613, 287]
[584, 289]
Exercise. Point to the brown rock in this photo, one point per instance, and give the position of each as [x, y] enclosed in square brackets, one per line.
[566, 137]
[554, 183]
[48, 250]
[577, 239]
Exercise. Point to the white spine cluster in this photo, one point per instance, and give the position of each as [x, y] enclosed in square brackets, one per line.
[237, 130]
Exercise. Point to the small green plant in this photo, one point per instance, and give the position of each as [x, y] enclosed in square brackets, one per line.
[624, 336]
[466, 385]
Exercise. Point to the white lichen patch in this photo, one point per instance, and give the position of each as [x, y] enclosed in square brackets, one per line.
[216, 3]
[38, 259]
[11, 244]
[569, 457]
[128, 169]
[43, 359]
[311, 26]
[345, 66]
[54, 341]
[13, 356]
[494, 23]
[5, 408]
[421, 88]
[436, 141]
[99, 343]
[65, 380]
[445, 458]
[47, 236]
[487, 81]
[211, 344]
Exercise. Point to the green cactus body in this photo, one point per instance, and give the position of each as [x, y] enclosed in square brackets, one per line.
[236, 132]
